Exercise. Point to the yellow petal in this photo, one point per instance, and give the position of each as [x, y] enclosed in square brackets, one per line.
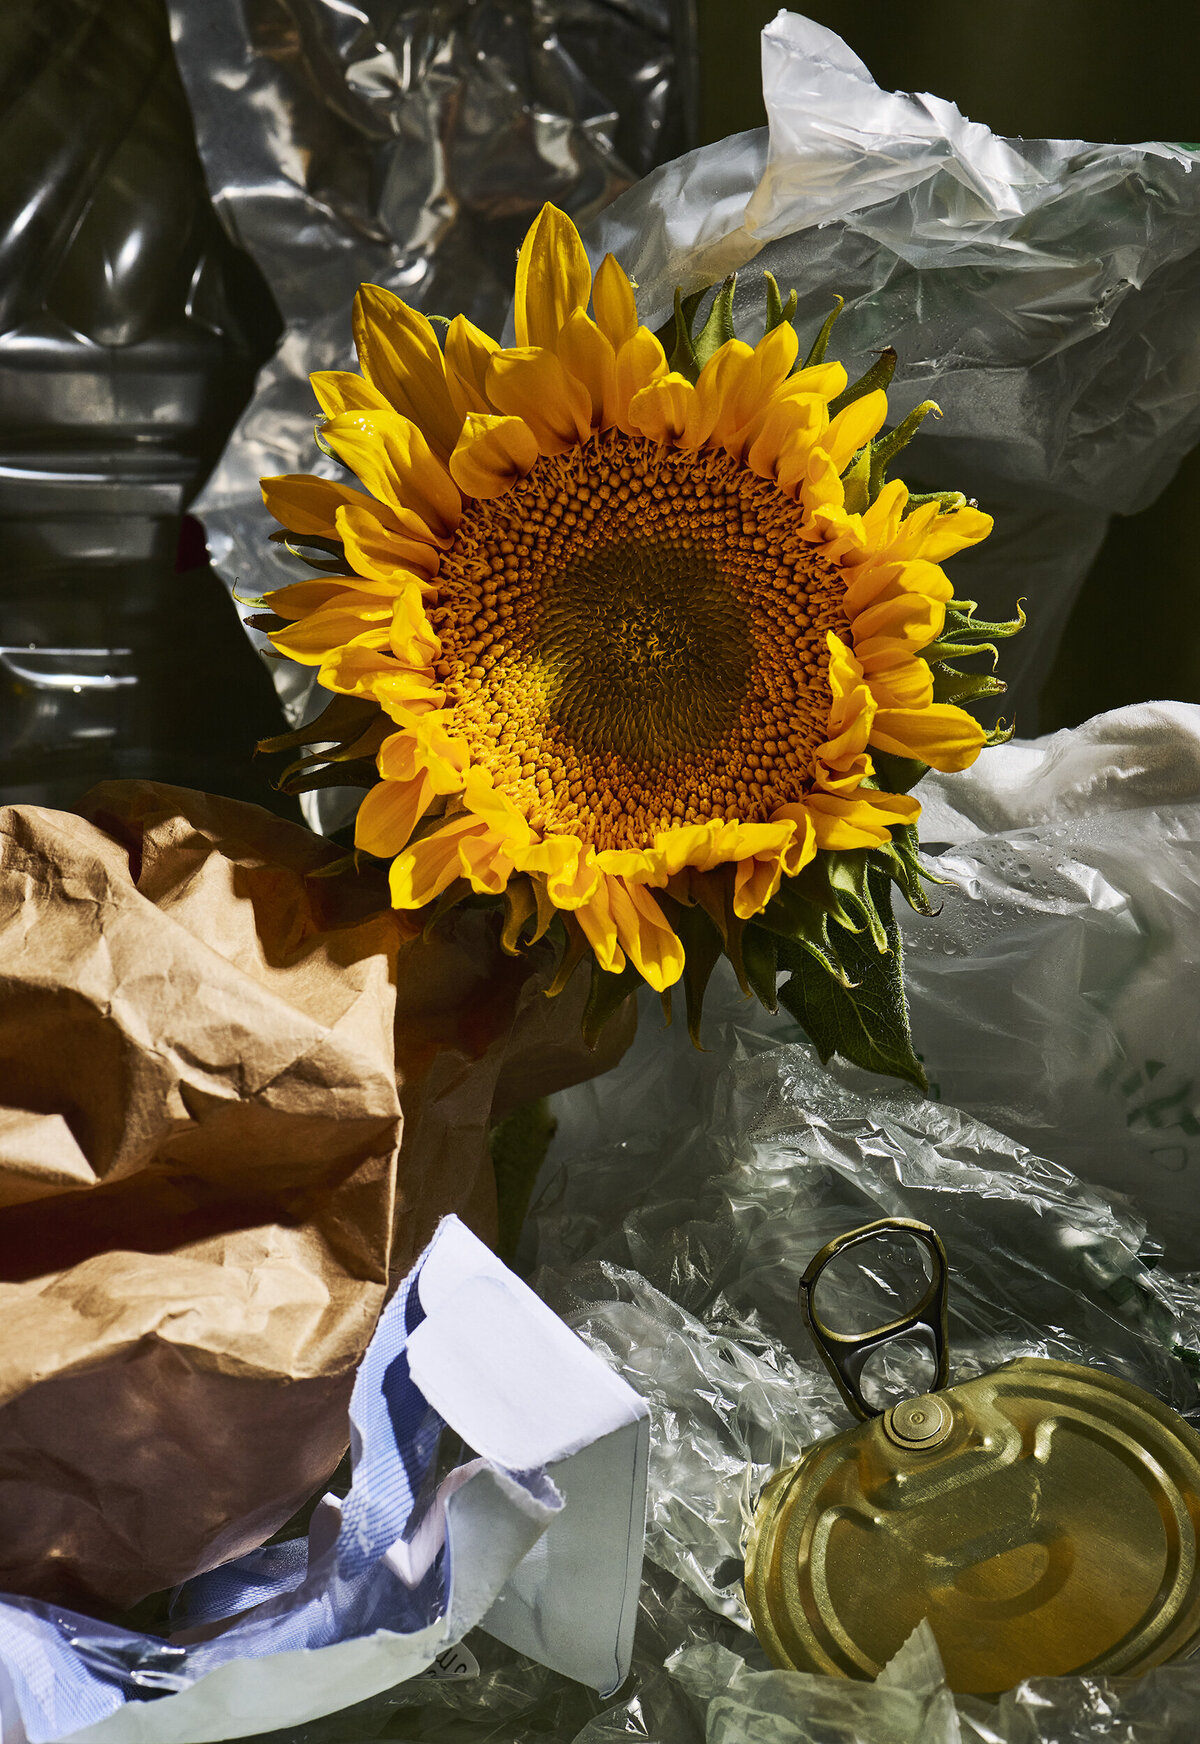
[485, 863]
[394, 461]
[340, 390]
[813, 478]
[304, 503]
[862, 821]
[613, 303]
[895, 627]
[399, 353]
[774, 356]
[493, 453]
[727, 388]
[803, 845]
[412, 639]
[532, 385]
[640, 361]
[389, 814]
[469, 350]
[553, 278]
[421, 872]
[954, 532]
[586, 354]
[755, 883]
[600, 929]
[377, 553]
[785, 433]
[661, 411]
[941, 735]
[353, 670]
[828, 380]
[875, 581]
[644, 934]
[312, 638]
[854, 426]
[576, 882]
[905, 683]
[303, 597]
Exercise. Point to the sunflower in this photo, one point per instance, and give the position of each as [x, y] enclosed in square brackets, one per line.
[628, 630]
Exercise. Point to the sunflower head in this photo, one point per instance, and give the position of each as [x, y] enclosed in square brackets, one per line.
[630, 634]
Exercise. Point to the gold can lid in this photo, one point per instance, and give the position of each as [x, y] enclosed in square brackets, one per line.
[1044, 1518]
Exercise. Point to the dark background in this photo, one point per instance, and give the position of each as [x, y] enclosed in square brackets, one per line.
[1100, 70]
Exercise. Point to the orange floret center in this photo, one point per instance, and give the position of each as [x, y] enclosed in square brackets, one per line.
[635, 637]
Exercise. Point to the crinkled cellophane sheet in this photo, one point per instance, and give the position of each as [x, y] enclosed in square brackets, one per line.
[686, 1191]
[408, 145]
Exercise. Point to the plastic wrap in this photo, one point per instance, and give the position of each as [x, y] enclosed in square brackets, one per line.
[409, 146]
[1056, 994]
[1040, 291]
[686, 1190]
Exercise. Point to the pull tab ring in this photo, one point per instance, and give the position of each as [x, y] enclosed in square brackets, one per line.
[845, 1354]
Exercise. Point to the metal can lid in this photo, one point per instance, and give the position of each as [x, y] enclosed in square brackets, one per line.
[1045, 1518]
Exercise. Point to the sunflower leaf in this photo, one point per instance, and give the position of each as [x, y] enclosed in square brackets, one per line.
[820, 345]
[878, 376]
[866, 1020]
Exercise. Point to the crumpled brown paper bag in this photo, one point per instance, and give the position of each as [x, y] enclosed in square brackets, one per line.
[199, 1121]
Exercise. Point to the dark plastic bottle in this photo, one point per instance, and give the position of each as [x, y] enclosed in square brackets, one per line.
[131, 329]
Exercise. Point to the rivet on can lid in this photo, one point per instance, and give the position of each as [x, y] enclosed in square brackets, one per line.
[919, 1423]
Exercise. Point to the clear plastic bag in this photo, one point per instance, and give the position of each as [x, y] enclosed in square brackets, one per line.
[1040, 291]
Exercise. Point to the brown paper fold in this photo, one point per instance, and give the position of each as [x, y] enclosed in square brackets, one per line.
[199, 1201]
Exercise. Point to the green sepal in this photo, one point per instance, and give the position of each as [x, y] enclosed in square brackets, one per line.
[896, 774]
[878, 376]
[947, 501]
[950, 685]
[718, 328]
[837, 884]
[357, 772]
[344, 720]
[675, 335]
[961, 625]
[901, 860]
[778, 312]
[333, 552]
[820, 345]
[703, 947]
[520, 906]
[760, 958]
[456, 893]
[885, 448]
[793, 916]
[865, 1017]
[608, 992]
[856, 481]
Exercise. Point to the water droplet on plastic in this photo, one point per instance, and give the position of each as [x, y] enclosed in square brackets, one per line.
[1023, 868]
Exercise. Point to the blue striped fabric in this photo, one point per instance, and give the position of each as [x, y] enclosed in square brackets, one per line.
[60, 1671]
